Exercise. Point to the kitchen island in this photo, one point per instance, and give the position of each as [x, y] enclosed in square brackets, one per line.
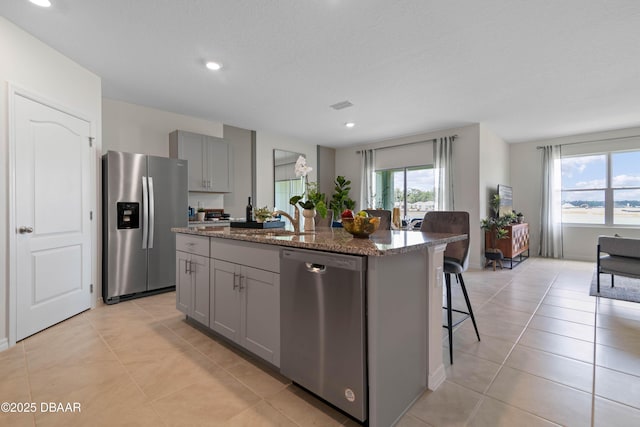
[403, 300]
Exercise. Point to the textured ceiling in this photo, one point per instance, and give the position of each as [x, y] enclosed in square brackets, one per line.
[528, 69]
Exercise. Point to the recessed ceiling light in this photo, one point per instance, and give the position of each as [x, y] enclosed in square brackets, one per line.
[349, 124]
[41, 3]
[213, 66]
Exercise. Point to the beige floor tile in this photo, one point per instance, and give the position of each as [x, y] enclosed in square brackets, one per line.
[410, 421]
[608, 413]
[13, 364]
[617, 386]
[496, 328]
[508, 301]
[570, 372]
[15, 388]
[619, 360]
[558, 344]
[305, 410]
[173, 371]
[211, 401]
[546, 399]
[471, 372]
[260, 415]
[80, 347]
[563, 313]
[562, 327]
[496, 311]
[489, 348]
[578, 296]
[524, 293]
[15, 419]
[623, 338]
[588, 306]
[493, 413]
[619, 311]
[449, 405]
[617, 323]
[262, 381]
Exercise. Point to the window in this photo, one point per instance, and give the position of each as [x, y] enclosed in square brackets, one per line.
[410, 189]
[601, 189]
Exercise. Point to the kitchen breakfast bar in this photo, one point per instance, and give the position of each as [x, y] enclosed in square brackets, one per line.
[239, 284]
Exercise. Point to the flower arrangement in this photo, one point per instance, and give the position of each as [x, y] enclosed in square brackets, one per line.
[314, 199]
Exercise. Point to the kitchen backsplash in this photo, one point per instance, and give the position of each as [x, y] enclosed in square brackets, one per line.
[206, 200]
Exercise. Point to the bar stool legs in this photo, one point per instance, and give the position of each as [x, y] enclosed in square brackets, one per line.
[450, 311]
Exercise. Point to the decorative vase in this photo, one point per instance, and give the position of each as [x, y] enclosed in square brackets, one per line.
[200, 216]
[259, 219]
[309, 223]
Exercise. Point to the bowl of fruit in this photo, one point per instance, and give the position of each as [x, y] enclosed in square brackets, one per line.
[361, 224]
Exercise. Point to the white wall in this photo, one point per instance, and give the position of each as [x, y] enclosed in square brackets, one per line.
[494, 169]
[34, 66]
[466, 171]
[265, 144]
[526, 180]
[138, 129]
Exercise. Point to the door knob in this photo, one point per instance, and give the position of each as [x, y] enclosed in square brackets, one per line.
[25, 230]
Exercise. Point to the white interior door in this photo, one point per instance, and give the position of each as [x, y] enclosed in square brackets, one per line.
[52, 193]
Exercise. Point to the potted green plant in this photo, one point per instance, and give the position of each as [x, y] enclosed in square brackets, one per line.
[494, 226]
[340, 199]
[262, 214]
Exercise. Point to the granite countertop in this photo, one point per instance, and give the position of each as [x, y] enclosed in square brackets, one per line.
[331, 239]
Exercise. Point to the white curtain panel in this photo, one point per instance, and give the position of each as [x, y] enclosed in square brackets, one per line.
[443, 173]
[368, 179]
[551, 205]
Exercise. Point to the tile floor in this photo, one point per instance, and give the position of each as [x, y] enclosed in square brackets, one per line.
[549, 355]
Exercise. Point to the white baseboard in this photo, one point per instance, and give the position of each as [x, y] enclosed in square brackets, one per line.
[4, 344]
[436, 379]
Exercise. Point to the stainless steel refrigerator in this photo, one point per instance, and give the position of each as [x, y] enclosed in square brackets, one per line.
[142, 198]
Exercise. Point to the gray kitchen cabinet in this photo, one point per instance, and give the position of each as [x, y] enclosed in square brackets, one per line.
[192, 277]
[209, 160]
[244, 299]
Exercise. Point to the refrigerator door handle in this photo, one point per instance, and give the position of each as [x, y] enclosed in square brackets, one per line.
[145, 212]
[152, 213]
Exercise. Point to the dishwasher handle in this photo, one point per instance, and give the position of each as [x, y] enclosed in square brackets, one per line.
[315, 268]
[322, 261]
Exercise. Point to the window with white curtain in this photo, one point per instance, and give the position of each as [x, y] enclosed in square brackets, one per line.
[409, 188]
[602, 188]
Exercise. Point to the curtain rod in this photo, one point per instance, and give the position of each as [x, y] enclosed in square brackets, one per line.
[540, 147]
[453, 138]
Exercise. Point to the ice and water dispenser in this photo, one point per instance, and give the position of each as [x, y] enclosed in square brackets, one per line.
[128, 215]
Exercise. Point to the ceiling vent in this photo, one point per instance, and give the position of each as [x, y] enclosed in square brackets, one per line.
[341, 105]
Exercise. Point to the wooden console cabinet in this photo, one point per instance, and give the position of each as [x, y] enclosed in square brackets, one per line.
[515, 245]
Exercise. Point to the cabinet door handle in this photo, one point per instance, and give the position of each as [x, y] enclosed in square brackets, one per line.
[241, 279]
[235, 284]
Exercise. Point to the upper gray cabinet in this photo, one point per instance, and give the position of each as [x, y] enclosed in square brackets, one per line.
[209, 160]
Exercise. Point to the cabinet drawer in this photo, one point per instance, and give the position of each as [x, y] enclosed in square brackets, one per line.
[198, 245]
[264, 257]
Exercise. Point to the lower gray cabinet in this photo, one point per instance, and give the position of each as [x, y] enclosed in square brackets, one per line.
[192, 286]
[245, 307]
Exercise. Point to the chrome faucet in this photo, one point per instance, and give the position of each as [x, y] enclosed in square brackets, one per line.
[294, 221]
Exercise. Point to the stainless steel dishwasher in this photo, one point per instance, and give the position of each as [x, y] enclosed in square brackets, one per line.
[323, 327]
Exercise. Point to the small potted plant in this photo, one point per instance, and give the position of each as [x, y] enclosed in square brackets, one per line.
[200, 214]
[520, 218]
[262, 214]
[494, 228]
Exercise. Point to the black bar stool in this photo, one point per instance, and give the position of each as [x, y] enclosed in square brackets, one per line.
[456, 261]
